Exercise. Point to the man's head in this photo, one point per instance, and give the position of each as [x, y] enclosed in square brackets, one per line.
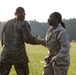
[54, 18]
[20, 13]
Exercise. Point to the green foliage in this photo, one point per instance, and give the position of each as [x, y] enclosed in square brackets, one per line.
[41, 28]
[71, 28]
[36, 54]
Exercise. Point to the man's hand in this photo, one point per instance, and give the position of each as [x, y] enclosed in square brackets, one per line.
[38, 37]
[40, 41]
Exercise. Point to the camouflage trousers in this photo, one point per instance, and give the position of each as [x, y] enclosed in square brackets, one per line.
[57, 70]
[21, 68]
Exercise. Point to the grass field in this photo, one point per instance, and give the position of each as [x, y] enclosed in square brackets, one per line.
[36, 55]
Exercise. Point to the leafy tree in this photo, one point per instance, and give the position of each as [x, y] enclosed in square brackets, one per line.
[41, 28]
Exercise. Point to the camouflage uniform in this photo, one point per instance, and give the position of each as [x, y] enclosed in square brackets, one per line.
[14, 35]
[57, 41]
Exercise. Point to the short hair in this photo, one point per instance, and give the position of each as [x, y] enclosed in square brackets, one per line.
[20, 9]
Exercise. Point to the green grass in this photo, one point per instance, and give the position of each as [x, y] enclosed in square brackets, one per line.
[72, 68]
[36, 54]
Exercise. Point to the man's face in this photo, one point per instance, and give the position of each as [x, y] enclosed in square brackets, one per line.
[52, 20]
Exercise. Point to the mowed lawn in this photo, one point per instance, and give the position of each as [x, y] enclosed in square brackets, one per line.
[36, 54]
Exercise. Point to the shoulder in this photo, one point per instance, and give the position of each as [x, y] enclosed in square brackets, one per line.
[10, 22]
[62, 32]
[26, 24]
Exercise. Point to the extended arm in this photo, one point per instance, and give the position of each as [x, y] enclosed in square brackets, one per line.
[40, 41]
[27, 36]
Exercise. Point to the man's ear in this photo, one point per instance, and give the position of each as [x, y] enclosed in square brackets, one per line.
[15, 13]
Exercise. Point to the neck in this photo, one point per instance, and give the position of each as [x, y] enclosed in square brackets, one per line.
[55, 25]
[19, 18]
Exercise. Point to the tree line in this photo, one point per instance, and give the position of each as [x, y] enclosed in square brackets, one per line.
[41, 28]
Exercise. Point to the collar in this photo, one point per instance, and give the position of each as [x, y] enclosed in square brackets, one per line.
[56, 29]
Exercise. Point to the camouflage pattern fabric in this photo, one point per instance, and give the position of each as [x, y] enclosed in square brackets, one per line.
[57, 41]
[14, 36]
[57, 70]
[21, 68]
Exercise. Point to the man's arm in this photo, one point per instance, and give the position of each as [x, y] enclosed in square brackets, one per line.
[40, 41]
[2, 35]
[27, 36]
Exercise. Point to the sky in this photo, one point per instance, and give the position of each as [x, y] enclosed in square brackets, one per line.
[37, 9]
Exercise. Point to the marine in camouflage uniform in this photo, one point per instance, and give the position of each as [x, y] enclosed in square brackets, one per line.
[14, 36]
